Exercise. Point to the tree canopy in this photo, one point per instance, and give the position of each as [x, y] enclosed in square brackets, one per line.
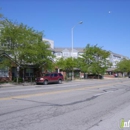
[94, 60]
[123, 66]
[25, 44]
[67, 64]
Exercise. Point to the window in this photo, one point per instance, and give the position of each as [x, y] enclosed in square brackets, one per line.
[58, 54]
[4, 72]
[52, 75]
[29, 72]
[66, 54]
[55, 75]
[47, 74]
[74, 54]
[60, 74]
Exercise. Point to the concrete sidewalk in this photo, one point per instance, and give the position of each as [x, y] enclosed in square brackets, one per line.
[33, 83]
[15, 84]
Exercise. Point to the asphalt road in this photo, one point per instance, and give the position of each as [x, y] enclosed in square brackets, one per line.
[76, 105]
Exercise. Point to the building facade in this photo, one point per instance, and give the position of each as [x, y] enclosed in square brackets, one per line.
[31, 71]
[50, 42]
[114, 58]
[67, 52]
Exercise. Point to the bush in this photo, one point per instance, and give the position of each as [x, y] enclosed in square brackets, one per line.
[19, 80]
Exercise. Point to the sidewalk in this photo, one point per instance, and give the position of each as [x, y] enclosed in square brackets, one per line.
[15, 84]
[2, 85]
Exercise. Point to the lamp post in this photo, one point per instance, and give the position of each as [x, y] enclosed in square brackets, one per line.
[73, 38]
[72, 74]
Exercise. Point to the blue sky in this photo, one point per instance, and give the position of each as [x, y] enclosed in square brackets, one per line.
[105, 22]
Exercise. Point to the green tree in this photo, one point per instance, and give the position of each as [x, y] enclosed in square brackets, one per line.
[25, 45]
[67, 64]
[60, 63]
[123, 66]
[5, 62]
[94, 60]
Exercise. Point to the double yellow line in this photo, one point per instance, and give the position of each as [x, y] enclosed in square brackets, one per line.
[58, 92]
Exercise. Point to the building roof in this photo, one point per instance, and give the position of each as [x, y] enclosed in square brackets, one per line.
[69, 49]
[118, 55]
[9, 57]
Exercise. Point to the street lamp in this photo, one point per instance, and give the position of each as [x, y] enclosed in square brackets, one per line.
[72, 37]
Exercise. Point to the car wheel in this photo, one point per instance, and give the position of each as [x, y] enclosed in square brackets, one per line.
[45, 82]
[60, 81]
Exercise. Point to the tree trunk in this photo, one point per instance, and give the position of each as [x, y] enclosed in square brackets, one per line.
[17, 77]
[23, 75]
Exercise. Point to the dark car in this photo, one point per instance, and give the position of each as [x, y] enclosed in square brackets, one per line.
[50, 78]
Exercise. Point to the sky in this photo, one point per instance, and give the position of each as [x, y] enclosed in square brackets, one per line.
[106, 23]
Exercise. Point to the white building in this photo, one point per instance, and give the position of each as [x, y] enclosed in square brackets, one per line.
[50, 42]
[67, 52]
[114, 58]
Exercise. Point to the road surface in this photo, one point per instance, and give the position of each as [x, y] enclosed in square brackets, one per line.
[76, 105]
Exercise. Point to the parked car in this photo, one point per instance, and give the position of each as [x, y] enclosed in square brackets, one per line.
[50, 78]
